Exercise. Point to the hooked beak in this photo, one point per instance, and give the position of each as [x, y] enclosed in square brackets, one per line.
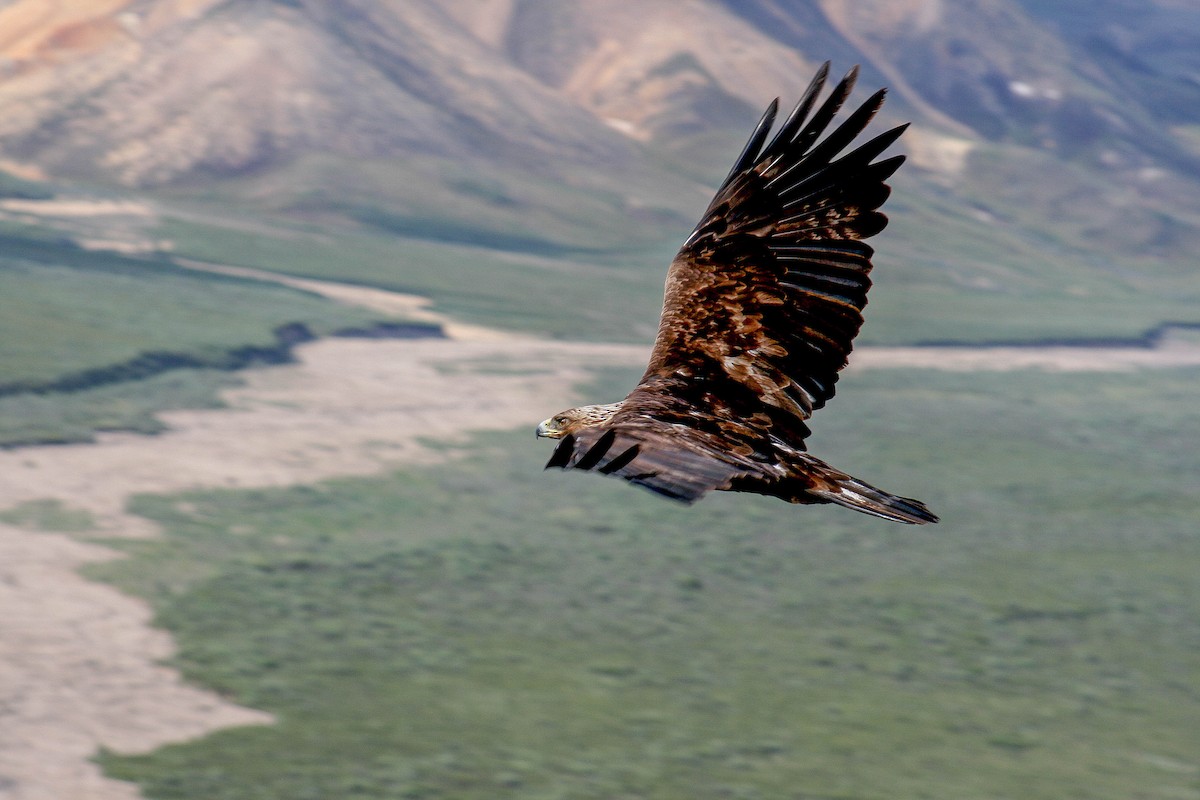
[547, 431]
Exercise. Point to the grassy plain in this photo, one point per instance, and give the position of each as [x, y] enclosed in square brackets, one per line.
[66, 313]
[963, 283]
[66, 310]
[483, 630]
[70, 417]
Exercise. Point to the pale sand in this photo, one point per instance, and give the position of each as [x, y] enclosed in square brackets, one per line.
[78, 668]
[1171, 353]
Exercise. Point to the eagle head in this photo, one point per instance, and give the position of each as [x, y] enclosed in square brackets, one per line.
[575, 419]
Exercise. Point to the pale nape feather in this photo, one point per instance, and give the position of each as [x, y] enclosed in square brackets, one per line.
[576, 419]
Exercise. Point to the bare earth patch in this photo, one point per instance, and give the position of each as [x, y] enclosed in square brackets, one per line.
[1170, 353]
[80, 666]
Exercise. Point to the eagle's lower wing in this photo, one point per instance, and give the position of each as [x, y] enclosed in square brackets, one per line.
[650, 456]
[764, 299]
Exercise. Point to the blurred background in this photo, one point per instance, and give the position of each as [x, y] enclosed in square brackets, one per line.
[193, 190]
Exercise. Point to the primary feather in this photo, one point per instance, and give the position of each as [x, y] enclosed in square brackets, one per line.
[761, 307]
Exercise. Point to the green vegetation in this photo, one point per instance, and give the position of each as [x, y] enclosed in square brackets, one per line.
[93, 323]
[71, 417]
[1009, 252]
[64, 310]
[562, 297]
[1017, 291]
[483, 630]
[48, 515]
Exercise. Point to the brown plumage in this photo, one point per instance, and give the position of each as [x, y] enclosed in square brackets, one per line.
[762, 304]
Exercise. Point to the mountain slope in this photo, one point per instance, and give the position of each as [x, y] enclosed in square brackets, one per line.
[146, 93]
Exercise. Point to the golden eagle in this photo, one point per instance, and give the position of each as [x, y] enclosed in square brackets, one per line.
[762, 304]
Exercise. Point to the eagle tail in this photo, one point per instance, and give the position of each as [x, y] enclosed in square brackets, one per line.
[848, 491]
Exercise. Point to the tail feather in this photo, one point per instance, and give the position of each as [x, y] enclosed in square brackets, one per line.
[810, 480]
[850, 492]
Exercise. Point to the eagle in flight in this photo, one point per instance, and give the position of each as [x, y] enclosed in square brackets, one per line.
[762, 304]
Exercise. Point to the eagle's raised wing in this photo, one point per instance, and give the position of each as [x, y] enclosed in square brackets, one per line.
[762, 304]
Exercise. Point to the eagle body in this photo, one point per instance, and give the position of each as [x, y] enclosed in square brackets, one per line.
[760, 310]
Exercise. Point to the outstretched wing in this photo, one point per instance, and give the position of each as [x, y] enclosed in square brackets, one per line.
[762, 302]
[766, 294]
